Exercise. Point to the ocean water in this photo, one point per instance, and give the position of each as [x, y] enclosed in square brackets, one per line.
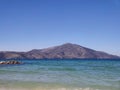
[61, 75]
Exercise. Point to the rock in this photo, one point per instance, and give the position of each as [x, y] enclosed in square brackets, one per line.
[2, 62]
[10, 62]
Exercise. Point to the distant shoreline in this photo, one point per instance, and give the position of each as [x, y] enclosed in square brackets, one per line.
[62, 59]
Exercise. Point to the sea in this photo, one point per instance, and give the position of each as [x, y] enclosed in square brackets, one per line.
[61, 75]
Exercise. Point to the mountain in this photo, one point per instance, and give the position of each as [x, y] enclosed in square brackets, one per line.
[65, 51]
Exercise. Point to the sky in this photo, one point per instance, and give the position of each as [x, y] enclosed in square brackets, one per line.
[36, 24]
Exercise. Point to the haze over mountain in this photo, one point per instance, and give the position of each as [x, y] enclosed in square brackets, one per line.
[65, 51]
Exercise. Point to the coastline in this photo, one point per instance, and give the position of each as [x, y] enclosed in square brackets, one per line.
[47, 89]
[27, 85]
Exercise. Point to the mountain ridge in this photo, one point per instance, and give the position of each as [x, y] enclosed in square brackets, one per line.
[65, 51]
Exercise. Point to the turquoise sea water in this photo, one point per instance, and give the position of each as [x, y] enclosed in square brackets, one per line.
[61, 75]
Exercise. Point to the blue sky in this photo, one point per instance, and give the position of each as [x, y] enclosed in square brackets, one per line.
[34, 24]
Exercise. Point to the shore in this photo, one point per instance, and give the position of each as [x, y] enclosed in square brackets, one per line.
[39, 88]
[17, 85]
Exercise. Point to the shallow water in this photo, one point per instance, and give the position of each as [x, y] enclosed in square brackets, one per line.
[61, 75]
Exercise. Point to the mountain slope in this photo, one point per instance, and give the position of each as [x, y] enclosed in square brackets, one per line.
[65, 51]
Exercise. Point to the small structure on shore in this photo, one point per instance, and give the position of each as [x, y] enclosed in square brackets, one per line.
[10, 62]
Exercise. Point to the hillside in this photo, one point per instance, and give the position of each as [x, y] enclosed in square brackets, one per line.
[65, 51]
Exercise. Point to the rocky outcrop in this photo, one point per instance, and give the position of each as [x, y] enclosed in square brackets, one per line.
[10, 62]
[65, 51]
